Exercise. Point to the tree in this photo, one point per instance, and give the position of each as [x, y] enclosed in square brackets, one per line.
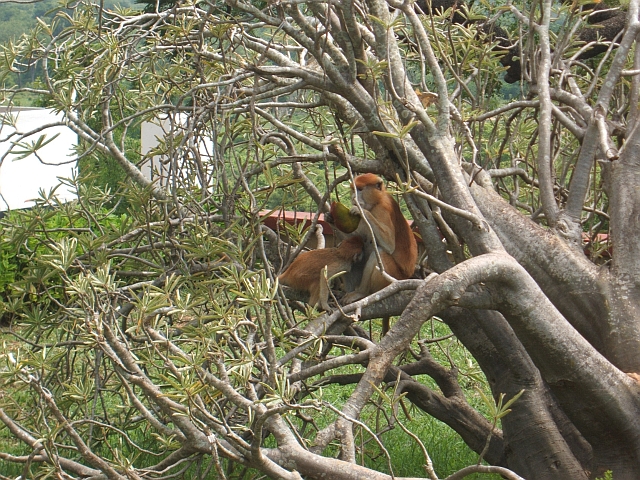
[173, 309]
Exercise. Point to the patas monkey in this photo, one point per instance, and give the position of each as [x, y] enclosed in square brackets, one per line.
[396, 244]
[306, 273]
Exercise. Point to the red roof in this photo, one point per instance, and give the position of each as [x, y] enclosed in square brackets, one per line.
[274, 218]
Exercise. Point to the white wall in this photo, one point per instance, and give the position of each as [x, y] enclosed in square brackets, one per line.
[20, 180]
[156, 167]
[150, 135]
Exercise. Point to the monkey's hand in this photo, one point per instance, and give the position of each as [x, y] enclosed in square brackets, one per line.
[329, 218]
[354, 210]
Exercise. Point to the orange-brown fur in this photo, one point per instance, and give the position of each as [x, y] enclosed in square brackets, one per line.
[394, 238]
[306, 271]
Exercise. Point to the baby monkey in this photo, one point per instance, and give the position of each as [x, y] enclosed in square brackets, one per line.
[306, 272]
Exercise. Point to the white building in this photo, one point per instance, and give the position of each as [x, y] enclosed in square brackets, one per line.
[158, 168]
[22, 179]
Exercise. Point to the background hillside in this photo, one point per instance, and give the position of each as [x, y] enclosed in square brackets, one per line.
[17, 18]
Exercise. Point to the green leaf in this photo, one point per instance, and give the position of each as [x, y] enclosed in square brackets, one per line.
[29, 148]
[385, 134]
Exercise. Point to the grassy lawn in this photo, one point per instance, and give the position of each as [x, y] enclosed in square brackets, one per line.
[447, 451]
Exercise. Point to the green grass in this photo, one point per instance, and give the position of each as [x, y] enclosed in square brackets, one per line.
[447, 451]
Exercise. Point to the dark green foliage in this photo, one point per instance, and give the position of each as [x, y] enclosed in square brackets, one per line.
[19, 18]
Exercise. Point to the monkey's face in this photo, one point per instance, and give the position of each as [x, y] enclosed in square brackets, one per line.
[356, 196]
[367, 195]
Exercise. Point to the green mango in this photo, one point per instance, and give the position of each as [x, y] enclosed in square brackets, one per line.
[343, 219]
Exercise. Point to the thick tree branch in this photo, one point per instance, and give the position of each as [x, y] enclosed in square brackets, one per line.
[581, 175]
